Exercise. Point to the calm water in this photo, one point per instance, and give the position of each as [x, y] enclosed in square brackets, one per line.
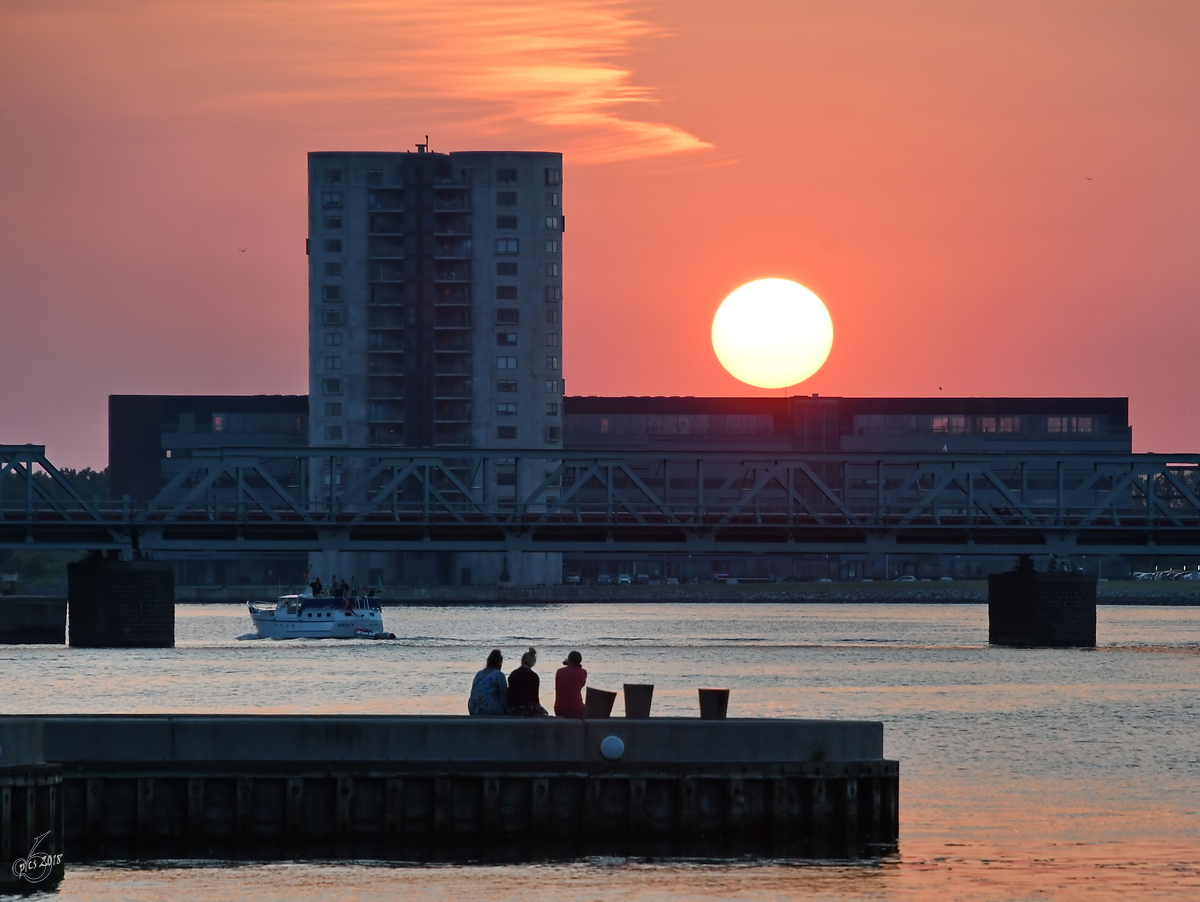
[1025, 774]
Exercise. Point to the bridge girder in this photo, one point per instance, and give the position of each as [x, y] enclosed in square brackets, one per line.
[370, 499]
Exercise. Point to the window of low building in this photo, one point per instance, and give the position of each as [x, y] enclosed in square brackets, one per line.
[331, 386]
[506, 222]
[506, 245]
[506, 363]
[333, 339]
[333, 408]
[506, 339]
[506, 269]
[939, 424]
[506, 432]
[504, 386]
[508, 316]
[506, 198]
[506, 176]
[506, 409]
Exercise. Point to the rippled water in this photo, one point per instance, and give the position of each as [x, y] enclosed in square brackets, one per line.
[1025, 774]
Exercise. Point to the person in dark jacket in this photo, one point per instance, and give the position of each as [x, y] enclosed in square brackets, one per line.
[523, 686]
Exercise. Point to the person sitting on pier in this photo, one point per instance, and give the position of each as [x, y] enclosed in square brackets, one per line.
[523, 686]
[568, 687]
[489, 690]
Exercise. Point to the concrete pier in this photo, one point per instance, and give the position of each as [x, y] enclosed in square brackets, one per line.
[121, 604]
[33, 620]
[1049, 609]
[434, 788]
[31, 810]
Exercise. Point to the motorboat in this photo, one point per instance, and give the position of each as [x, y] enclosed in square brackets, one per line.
[311, 616]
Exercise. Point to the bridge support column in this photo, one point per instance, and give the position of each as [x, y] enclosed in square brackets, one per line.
[1048, 609]
[121, 604]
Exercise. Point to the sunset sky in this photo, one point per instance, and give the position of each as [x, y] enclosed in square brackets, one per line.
[992, 198]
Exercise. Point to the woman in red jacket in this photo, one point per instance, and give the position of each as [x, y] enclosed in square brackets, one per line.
[568, 687]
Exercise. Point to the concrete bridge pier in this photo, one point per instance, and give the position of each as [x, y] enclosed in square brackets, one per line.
[121, 604]
[1032, 608]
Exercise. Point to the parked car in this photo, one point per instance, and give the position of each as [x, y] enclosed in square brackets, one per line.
[604, 580]
[642, 579]
[572, 579]
[624, 579]
[947, 579]
[674, 581]
[907, 578]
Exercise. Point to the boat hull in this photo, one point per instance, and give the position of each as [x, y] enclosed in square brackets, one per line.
[322, 624]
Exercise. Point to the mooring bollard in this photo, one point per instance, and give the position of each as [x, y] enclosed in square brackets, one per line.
[637, 700]
[714, 704]
[598, 704]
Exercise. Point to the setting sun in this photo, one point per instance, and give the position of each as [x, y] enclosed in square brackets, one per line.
[772, 333]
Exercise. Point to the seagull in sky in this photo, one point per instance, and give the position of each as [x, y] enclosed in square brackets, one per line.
[243, 249]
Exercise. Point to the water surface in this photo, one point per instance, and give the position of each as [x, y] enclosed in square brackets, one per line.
[1025, 774]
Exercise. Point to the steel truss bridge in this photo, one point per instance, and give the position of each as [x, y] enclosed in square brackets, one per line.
[369, 499]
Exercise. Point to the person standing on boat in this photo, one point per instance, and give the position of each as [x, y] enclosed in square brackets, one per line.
[489, 690]
[568, 687]
[523, 686]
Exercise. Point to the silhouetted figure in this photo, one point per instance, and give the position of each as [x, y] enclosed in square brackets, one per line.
[568, 687]
[523, 686]
[489, 690]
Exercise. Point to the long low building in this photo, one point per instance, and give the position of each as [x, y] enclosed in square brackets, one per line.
[813, 423]
[151, 435]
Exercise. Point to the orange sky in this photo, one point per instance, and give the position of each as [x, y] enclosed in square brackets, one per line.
[994, 198]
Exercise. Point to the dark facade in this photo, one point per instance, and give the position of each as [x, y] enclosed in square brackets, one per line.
[150, 435]
[831, 424]
[890, 425]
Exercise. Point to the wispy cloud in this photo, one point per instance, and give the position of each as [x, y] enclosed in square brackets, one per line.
[559, 65]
